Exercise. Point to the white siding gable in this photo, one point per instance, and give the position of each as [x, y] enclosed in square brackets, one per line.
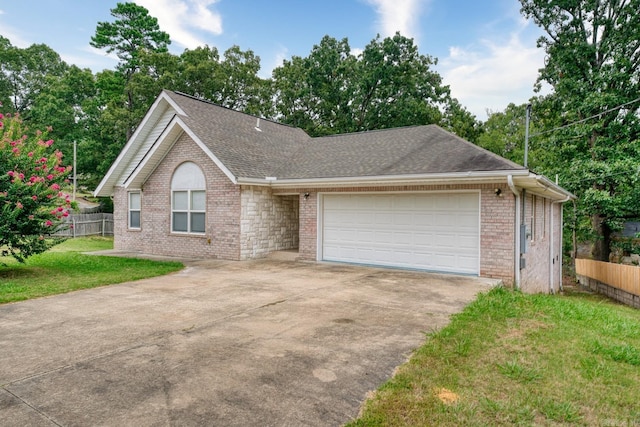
[156, 130]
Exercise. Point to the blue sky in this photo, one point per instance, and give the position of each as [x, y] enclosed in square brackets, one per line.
[486, 51]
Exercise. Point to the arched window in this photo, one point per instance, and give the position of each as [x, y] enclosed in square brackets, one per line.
[188, 199]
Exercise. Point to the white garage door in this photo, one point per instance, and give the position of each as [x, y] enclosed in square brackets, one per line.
[431, 231]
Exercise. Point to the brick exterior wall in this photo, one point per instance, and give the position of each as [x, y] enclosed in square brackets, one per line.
[268, 223]
[497, 224]
[497, 236]
[251, 221]
[222, 229]
[535, 276]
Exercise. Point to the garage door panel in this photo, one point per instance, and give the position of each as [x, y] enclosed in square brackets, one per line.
[403, 219]
[365, 202]
[467, 220]
[403, 203]
[383, 218]
[403, 238]
[366, 236]
[467, 242]
[447, 261]
[427, 231]
[423, 239]
[468, 261]
[467, 204]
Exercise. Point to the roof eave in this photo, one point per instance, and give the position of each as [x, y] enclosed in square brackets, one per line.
[524, 179]
[470, 176]
[542, 186]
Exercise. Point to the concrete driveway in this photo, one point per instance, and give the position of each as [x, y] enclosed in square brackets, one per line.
[257, 343]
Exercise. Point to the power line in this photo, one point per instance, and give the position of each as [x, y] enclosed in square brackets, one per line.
[587, 119]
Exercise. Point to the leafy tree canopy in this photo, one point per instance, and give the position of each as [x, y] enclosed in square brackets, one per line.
[133, 32]
[389, 85]
[593, 65]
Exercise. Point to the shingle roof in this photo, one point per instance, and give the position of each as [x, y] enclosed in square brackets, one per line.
[233, 138]
[286, 152]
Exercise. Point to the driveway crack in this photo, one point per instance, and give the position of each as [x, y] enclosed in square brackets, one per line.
[32, 407]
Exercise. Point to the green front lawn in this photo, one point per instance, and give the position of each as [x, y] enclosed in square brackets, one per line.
[514, 359]
[64, 268]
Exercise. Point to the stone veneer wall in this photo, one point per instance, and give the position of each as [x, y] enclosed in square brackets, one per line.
[222, 236]
[268, 223]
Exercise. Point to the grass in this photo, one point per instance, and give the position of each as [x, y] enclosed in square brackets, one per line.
[64, 268]
[515, 359]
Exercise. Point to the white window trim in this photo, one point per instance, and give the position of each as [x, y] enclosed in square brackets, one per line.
[188, 211]
[129, 210]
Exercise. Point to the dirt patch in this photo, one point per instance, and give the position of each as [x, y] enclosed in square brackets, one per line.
[447, 396]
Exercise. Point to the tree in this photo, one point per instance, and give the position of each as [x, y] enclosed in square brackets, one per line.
[25, 73]
[316, 93]
[32, 205]
[459, 120]
[593, 65]
[232, 81]
[389, 85]
[396, 86]
[504, 131]
[133, 34]
[65, 105]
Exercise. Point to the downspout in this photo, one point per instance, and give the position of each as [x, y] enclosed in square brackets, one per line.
[516, 250]
[551, 243]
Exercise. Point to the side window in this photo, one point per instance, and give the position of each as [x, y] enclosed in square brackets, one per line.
[188, 200]
[134, 210]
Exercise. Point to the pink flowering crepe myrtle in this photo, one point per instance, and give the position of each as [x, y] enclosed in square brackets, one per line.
[32, 201]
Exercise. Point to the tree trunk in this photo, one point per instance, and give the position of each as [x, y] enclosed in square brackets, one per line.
[602, 246]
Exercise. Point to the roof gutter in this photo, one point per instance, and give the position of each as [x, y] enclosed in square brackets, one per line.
[471, 176]
[551, 246]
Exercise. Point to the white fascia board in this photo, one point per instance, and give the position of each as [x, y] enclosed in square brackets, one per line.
[162, 141]
[171, 102]
[165, 138]
[475, 177]
[542, 186]
[101, 189]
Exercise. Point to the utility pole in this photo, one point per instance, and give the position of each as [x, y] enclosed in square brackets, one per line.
[526, 136]
[75, 173]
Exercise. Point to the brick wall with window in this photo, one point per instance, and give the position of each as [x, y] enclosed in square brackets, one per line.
[221, 236]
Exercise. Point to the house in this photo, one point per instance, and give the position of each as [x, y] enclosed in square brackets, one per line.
[200, 180]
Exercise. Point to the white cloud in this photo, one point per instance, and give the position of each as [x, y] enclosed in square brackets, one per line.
[491, 74]
[278, 59]
[399, 15]
[184, 19]
[13, 34]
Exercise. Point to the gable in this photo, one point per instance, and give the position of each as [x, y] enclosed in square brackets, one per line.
[152, 125]
[154, 137]
[159, 149]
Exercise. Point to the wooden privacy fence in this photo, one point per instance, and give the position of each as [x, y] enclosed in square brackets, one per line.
[621, 276]
[92, 224]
